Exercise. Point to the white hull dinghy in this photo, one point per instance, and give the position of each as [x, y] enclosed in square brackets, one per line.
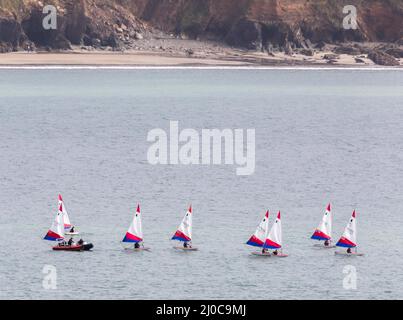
[324, 231]
[349, 239]
[184, 233]
[134, 234]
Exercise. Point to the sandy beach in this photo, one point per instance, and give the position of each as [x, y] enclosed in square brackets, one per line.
[144, 58]
[112, 59]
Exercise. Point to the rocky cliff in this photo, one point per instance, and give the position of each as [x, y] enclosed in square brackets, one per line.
[283, 25]
[252, 23]
[97, 23]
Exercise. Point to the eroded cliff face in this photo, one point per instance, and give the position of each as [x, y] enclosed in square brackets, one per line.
[97, 23]
[252, 24]
[258, 23]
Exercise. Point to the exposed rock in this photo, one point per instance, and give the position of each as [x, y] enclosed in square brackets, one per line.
[5, 47]
[306, 52]
[252, 24]
[76, 21]
[96, 42]
[247, 34]
[382, 58]
[331, 61]
[323, 46]
[395, 52]
[27, 45]
[87, 41]
[347, 50]
[288, 48]
[10, 34]
[245, 23]
[330, 56]
[189, 52]
[60, 42]
[138, 36]
[111, 41]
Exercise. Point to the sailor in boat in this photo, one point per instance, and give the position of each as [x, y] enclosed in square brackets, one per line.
[187, 244]
[265, 251]
[72, 230]
[136, 245]
[71, 242]
[80, 242]
[349, 250]
[327, 243]
[62, 243]
[275, 252]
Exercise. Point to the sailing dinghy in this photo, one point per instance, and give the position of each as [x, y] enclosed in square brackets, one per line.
[135, 233]
[259, 237]
[184, 233]
[68, 227]
[56, 233]
[274, 240]
[324, 231]
[349, 238]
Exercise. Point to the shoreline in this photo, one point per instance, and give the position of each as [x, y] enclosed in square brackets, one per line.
[153, 60]
[189, 67]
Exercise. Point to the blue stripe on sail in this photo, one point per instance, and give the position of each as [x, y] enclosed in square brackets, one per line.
[254, 244]
[180, 239]
[271, 247]
[315, 237]
[344, 245]
[130, 240]
[49, 238]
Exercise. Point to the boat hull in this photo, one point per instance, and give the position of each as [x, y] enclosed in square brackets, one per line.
[68, 248]
[72, 233]
[279, 255]
[186, 249]
[138, 249]
[352, 254]
[82, 247]
[323, 246]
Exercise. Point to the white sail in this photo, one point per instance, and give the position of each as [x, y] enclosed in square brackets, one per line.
[324, 230]
[56, 231]
[349, 237]
[184, 231]
[274, 239]
[66, 218]
[135, 232]
[259, 237]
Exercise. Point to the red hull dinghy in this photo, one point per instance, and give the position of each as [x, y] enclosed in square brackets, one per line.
[74, 247]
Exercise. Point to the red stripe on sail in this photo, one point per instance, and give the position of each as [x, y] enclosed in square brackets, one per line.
[132, 237]
[271, 244]
[321, 234]
[180, 234]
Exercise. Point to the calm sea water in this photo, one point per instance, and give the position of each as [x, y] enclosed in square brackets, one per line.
[321, 136]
